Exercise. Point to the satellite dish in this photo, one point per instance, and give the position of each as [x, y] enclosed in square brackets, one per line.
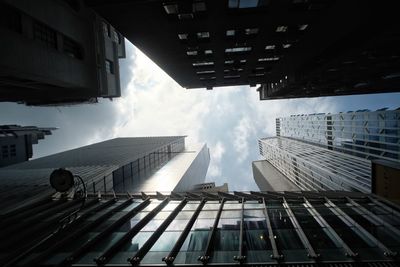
[61, 180]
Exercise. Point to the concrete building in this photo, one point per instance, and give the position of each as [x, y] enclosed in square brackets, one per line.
[16, 142]
[57, 53]
[210, 187]
[299, 229]
[293, 48]
[134, 164]
[312, 167]
[362, 133]
[268, 178]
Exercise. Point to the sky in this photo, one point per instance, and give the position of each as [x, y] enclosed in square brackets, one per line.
[229, 119]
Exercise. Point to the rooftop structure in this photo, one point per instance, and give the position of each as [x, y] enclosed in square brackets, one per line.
[16, 142]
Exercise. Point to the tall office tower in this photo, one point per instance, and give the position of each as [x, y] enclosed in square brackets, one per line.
[134, 164]
[298, 48]
[312, 167]
[210, 187]
[362, 133]
[57, 53]
[299, 229]
[16, 142]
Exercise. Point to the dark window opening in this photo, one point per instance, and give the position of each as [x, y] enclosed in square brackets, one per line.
[72, 48]
[109, 66]
[247, 3]
[45, 35]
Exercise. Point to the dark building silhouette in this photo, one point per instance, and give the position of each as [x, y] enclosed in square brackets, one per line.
[296, 48]
[16, 142]
[57, 53]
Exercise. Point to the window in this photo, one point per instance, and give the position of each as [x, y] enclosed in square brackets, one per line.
[199, 6]
[231, 76]
[281, 29]
[203, 63]
[71, 48]
[247, 3]
[208, 52]
[270, 47]
[171, 8]
[206, 72]
[191, 53]
[238, 49]
[303, 27]
[203, 35]
[230, 33]
[243, 61]
[106, 29]
[207, 78]
[286, 45]
[268, 59]
[251, 31]
[4, 152]
[45, 35]
[109, 66]
[185, 16]
[183, 36]
[116, 37]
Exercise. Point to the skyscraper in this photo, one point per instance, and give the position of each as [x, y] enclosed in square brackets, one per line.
[57, 53]
[134, 164]
[361, 133]
[293, 48]
[311, 167]
[16, 142]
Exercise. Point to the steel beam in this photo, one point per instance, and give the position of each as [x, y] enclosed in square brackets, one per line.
[385, 207]
[333, 235]
[358, 229]
[175, 250]
[154, 237]
[74, 235]
[241, 257]
[275, 253]
[82, 249]
[110, 252]
[306, 243]
[372, 217]
[210, 242]
[25, 250]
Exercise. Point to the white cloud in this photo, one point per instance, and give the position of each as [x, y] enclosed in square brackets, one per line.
[217, 151]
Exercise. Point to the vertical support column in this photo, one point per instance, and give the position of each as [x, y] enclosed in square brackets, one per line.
[110, 252]
[175, 250]
[333, 235]
[241, 258]
[154, 237]
[275, 253]
[210, 243]
[361, 232]
[299, 230]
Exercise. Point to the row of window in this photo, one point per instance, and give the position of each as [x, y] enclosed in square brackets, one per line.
[8, 151]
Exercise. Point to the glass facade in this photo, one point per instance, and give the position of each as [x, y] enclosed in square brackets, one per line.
[367, 134]
[302, 228]
[312, 167]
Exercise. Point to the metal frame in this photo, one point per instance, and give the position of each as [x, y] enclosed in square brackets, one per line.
[95, 240]
[365, 234]
[36, 260]
[241, 257]
[210, 242]
[175, 250]
[275, 253]
[372, 217]
[334, 236]
[154, 237]
[110, 252]
[306, 243]
[16, 257]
